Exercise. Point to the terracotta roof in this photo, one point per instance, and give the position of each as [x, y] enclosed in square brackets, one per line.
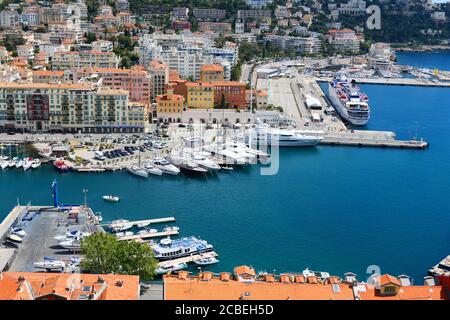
[48, 73]
[228, 83]
[194, 288]
[211, 67]
[386, 279]
[406, 293]
[244, 270]
[169, 97]
[158, 64]
[70, 286]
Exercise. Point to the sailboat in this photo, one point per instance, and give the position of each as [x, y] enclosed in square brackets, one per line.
[137, 170]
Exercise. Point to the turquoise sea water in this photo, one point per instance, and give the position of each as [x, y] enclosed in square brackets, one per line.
[436, 59]
[334, 209]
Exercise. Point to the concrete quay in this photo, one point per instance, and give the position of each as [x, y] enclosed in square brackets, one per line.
[370, 139]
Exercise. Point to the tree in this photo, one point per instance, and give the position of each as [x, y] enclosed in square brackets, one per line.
[104, 253]
[90, 37]
[125, 62]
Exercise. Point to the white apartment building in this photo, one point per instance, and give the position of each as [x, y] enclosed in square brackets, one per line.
[344, 40]
[184, 53]
[77, 59]
[9, 19]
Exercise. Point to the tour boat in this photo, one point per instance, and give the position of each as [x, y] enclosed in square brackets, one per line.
[111, 198]
[170, 268]
[61, 166]
[206, 261]
[168, 249]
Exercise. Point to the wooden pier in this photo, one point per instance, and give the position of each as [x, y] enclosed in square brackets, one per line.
[150, 235]
[137, 222]
[188, 259]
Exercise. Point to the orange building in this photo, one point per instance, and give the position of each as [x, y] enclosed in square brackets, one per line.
[66, 286]
[169, 106]
[232, 91]
[247, 285]
[211, 72]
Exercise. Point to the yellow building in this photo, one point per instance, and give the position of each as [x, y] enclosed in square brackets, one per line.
[200, 95]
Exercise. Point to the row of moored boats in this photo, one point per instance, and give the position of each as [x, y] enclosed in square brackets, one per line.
[18, 163]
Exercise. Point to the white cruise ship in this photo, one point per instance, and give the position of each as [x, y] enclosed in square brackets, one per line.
[348, 100]
[263, 135]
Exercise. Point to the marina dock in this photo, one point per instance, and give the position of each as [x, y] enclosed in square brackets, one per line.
[140, 222]
[188, 259]
[396, 82]
[150, 235]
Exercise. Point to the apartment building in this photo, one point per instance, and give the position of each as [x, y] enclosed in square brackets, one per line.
[136, 81]
[64, 107]
[169, 106]
[200, 95]
[159, 73]
[344, 40]
[48, 76]
[305, 45]
[9, 19]
[209, 14]
[79, 59]
[257, 4]
[30, 16]
[122, 5]
[211, 72]
[232, 93]
[380, 55]
[254, 14]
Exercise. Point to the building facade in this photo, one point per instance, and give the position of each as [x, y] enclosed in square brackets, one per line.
[64, 107]
[78, 59]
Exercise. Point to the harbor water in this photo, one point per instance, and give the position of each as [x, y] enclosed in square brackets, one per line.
[329, 208]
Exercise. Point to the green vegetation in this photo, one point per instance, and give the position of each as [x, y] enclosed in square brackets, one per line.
[11, 41]
[104, 254]
[236, 71]
[125, 50]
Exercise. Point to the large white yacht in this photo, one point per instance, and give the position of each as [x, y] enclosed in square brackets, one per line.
[165, 166]
[264, 135]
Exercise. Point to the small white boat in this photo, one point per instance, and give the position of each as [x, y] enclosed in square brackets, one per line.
[27, 163]
[72, 244]
[69, 235]
[146, 231]
[171, 268]
[227, 167]
[111, 198]
[19, 231]
[11, 163]
[36, 163]
[99, 218]
[4, 164]
[124, 234]
[138, 171]
[121, 225]
[167, 229]
[15, 238]
[151, 169]
[165, 166]
[49, 264]
[142, 224]
[18, 163]
[206, 261]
